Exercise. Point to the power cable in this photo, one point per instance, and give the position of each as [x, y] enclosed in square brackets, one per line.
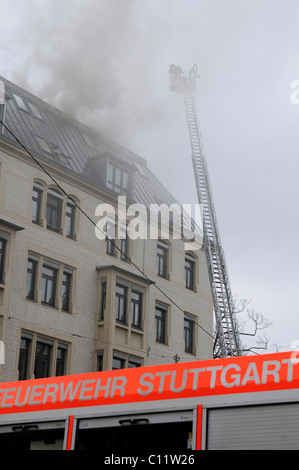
[106, 238]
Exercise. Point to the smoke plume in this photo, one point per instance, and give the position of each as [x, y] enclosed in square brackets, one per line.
[95, 60]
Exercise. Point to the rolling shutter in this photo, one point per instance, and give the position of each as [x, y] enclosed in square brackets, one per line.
[254, 427]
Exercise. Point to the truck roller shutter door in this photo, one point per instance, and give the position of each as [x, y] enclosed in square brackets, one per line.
[266, 427]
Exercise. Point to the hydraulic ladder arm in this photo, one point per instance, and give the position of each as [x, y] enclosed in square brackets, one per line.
[226, 338]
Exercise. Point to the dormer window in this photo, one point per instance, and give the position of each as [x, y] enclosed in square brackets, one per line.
[117, 179]
[111, 173]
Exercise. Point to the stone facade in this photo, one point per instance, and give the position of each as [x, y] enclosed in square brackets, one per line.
[87, 324]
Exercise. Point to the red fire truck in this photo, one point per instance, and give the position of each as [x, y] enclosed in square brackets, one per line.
[249, 402]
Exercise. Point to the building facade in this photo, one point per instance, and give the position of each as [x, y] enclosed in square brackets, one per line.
[74, 297]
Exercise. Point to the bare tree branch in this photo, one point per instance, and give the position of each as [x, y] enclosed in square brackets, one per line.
[255, 322]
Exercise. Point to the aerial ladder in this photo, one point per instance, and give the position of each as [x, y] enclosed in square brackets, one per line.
[226, 337]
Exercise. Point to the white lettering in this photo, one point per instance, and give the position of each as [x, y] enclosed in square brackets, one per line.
[290, 363]
[183, 384]
[50, 393]
[248, 376]
[7, 396]
[115, 460]
[69, 390]
[267, 371]
[103, 387]
[195, 379]
[121, 216]
[85, 388]
[36, 392]
[166, 221]
[143, 382]
[19, 391]
[213, 376]
[118, 383]
[162, 375]
[137, 227]
[195, 242]
[103, 229]
[236, 381]
[163, 219]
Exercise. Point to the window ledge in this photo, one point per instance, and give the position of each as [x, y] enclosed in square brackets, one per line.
[31, 300]
[122, 325]
[55, 229]
[137, 329]
[162, 343]
[190, 353]
[44, 304]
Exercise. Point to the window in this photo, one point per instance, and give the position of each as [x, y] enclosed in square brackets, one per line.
[37, 197]
[118, 362]
[128, 297]
[189, 271]
[54, 210]
[162, 258]
[61, 359]
[51, 148]
[26, 340]
[121, 361]
[136, 308]
[89, 141]
[20, 102]
[49, 281]
[100, 361]
[3, 242]
[114, 244]
[43, 363]
[121, 303]
[43, 355]
[43, 144]
[103, 299]
[133, 362]
[32, 265]
[189, 334]
[66, 289]
[70, 219]
[110, 236]
[110, 248]
[34, 111]
[117, 179]
[123, 243]
[160, 323]
[42, 284]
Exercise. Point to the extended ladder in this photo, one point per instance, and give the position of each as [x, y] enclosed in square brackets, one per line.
[226, 339]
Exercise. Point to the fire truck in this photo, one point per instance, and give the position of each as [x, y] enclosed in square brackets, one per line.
[248, 402]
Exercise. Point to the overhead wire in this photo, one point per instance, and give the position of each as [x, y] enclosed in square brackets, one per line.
[124, 255]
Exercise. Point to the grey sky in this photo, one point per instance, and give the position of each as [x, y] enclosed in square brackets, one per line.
[106, 62]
